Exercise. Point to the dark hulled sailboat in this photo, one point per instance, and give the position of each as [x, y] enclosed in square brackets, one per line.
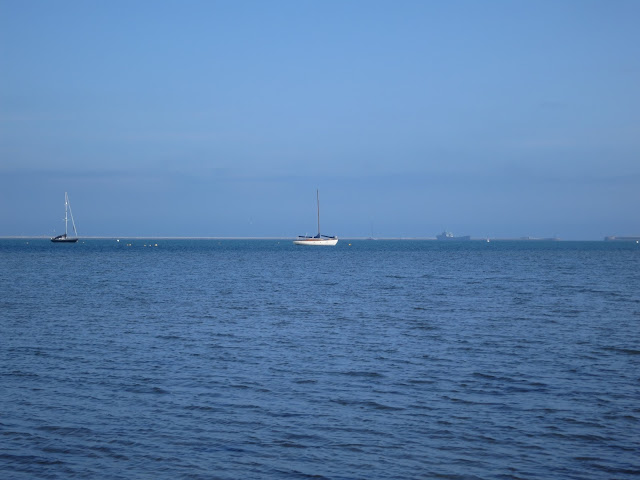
[65, 238]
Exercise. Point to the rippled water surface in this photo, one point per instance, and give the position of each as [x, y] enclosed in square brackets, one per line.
[259, 359]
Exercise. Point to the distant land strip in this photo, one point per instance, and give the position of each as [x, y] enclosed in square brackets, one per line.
[610, 238]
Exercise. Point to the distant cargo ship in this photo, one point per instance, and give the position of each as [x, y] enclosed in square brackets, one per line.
[450, 237]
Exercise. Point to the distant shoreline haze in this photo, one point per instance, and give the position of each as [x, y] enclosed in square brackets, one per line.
[284, 238]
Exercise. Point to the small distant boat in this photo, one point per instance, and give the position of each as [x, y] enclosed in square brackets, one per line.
[64, 238]
[449, 237]
[318, 239]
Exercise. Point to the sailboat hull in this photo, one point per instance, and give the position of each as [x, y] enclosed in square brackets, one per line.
[63, 239]
[316, 241]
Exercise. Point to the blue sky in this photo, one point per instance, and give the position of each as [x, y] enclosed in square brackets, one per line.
[221, 118]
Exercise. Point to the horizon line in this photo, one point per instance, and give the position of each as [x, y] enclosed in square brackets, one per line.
[472, 239]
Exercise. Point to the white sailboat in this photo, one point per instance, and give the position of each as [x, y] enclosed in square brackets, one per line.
[64, 238]
[318, 239]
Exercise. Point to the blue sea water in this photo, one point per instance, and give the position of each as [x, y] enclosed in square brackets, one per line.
[227, 359]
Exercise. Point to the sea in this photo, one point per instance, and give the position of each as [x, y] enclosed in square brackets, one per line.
[373, 359]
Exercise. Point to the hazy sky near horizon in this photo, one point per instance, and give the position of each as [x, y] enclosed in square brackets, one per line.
[221, 118]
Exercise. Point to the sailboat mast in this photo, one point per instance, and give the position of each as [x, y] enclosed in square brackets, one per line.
[66, 204]
[73, 223]
[318, 202]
